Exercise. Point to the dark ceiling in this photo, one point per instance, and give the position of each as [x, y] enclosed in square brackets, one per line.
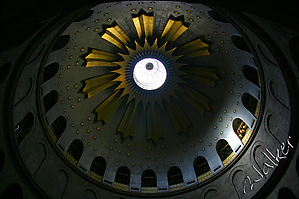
[19, 17]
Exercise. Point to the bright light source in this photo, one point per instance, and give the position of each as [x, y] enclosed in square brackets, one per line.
[149, 74]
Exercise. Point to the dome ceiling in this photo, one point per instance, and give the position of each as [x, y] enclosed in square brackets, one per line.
[200, 102]
[150, 99]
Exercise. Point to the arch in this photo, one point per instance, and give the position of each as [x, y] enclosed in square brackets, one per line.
[285, 192]
[148, 181]
[174, 176]
[25, 92]
[57, 128]
[123, 175]
[14, 191]
[50, 71]
[201, 168]
[250, 103]
[39, 155]
[74, 151]
[224, 151]
[62, 179]
[240, 43]
[122, 178]
[61, 42]
[27, 32]
[49, 100]
[211, 193]
[84, 15]
[216, 16]
[251, 74]
[97, 168]
[237, 176]
[149, 178]
[242, 130]
[90, 194]
[24, 127]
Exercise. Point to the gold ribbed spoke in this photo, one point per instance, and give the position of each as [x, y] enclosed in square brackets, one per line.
[149, 84]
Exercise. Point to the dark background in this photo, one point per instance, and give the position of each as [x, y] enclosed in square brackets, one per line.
[19, 17]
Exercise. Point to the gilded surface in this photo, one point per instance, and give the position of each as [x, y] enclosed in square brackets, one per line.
[152, 103]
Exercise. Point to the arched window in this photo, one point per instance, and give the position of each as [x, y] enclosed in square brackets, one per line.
[50, 71]
[61, 42]
[175, 178]
[149, 182]
[251, 74]
[240, 43]
[242, 130]
[97, 168]
[202, 168]
[74, 152]
[225, 152]
[250, 103]
[285, 192]
[122, 178]
[24, 127]
[216, 16]
[48, 101]
[57, 128]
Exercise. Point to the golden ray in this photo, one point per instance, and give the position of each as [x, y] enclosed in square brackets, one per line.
[109, 106]
[195, 45]
[100, 63]
[129, 121]
[117, 36]
[144, 25]
[199, 101]
[173, 30]
[97, 84]
[100, 55]
[137, 102]
[154, 127]
[178, 117]
[195, 48]
[201, 74]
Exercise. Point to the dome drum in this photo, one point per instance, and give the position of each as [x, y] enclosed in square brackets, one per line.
[219, 122]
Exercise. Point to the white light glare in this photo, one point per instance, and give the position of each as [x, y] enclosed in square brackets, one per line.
[149, 74]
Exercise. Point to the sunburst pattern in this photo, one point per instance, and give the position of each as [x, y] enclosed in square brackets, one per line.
[138, 100]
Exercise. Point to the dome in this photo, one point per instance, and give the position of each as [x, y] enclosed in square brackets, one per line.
[98, 99]
[152, 99]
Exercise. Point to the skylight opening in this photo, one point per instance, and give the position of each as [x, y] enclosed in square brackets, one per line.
[149, 74]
